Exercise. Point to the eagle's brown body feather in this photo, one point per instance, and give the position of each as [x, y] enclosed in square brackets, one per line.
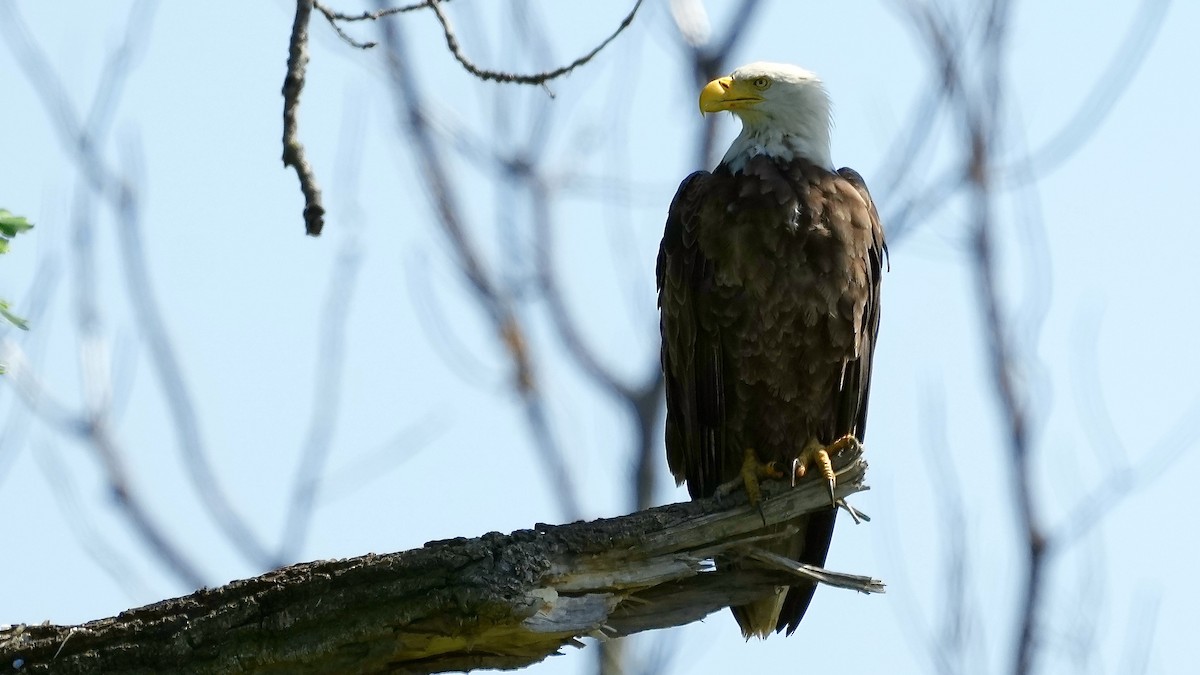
[769, 294]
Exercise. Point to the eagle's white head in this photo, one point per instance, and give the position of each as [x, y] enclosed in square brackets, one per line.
[784, 111]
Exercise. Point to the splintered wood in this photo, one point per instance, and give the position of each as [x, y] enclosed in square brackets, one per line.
[496, 601]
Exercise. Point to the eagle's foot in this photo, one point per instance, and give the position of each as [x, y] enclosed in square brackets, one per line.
[753, 471]
[816, 455]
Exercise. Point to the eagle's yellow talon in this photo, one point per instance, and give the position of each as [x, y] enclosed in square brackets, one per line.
[750, 477]
[817, 455]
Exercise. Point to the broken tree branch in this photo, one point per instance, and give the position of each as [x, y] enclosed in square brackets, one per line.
[496, 601]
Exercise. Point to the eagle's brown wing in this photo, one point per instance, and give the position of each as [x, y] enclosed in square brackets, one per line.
[858, 226]
[692, 355]
[852, 408]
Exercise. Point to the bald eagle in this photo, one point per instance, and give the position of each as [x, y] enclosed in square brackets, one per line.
[768, 290]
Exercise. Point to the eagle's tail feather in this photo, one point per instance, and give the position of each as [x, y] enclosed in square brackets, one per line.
[784, 610]
[758, 618]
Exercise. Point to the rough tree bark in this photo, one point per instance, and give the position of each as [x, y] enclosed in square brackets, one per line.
[497, 601]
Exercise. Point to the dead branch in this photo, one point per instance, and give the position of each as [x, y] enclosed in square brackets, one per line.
[334, 17]
[293, 149]
[496, 601]
[519, 78]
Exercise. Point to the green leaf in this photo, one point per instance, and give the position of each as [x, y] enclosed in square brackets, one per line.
[12, 318]
[10, 225]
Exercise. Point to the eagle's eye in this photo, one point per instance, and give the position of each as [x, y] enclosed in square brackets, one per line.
[761, 83]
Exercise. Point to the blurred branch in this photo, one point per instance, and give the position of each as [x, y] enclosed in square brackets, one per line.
[978, 104]
[707, 62]
[497, 601]
[490, 296]
[15, 428]
[113, 187]
[644, 401]
[612, 655]
[560, 316]
[982, 126]
[94, 430]
[333, 327]
[968, 48]
[293, 149]
[1126, 479]
[946, 40]
[423, 289]
[1094, 109]
[374, 464]
[327, 390]
[107, 555]
[1142, 623]
[98, 434]
[38, 398]
[950, 649]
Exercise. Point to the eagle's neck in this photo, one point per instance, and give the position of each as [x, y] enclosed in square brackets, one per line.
[797, 135]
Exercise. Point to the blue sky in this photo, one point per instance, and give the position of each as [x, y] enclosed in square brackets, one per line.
[1101, 281]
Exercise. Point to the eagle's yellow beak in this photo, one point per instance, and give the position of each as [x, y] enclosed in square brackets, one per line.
[726, 94]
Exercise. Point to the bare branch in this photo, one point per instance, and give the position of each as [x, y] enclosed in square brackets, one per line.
[377, 14]
[121, 196]
[332, 18]
[516, 78]
[95, 432]
[1135, 658]
[38, 398]
[497, 601]
[14, 430]
[981, 128]
[708, 63]
[333, 326]
[331, 357]
[135, 511]
[293, 149]
[560, 317]
[1126, 479]
[108, 555]
[493, 299]
[1099, 102]
[978, 100]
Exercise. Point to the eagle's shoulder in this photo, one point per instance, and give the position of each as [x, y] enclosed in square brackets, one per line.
[679, 233]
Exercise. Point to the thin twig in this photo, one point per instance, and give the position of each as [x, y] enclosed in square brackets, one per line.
[516, 78]
[333, 17]
[377, 14]
[293, 149]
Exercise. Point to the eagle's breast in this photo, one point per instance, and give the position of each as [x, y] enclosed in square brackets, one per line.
[788, 295]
